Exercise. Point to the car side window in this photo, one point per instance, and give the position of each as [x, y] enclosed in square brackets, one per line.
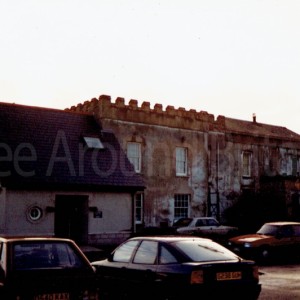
[146, 253]
[212, 222]
[125, 251]
[286, 231]
[296, 231]
[200, 223]
[166, 257]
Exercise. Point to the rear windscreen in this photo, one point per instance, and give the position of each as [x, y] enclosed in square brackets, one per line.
[205, 250]
[45, 255]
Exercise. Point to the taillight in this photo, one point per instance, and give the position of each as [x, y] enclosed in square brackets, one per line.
[197, 277]
[255, 272]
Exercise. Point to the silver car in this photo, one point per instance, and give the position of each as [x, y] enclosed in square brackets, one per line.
[206, 227]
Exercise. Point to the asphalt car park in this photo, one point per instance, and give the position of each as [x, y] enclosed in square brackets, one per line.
[280, 281]
[176, 267]
[45, 269]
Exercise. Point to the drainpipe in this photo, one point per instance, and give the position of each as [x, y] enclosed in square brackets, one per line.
[217, 180]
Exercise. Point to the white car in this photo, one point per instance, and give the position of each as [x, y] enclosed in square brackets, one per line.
[204, 226]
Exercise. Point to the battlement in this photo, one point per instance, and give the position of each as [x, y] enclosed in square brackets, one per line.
[104, 108]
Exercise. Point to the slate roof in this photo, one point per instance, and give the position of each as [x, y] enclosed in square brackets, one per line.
[260, 129]
[42, 148]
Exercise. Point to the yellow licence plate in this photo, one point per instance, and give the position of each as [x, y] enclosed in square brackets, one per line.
[55, 296]
[229, 275]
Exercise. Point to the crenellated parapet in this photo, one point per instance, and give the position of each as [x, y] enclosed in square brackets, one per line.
[104, 108]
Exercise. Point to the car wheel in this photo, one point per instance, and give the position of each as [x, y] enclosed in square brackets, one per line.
[264, 254]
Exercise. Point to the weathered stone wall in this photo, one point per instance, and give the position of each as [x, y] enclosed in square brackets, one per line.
[214, 153]
[159, 133]
[171, 117]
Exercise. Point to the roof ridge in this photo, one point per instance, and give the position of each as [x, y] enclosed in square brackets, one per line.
[33, 107]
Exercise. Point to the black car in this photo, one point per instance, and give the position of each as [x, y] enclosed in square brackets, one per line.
[45, 269]
[176, 267]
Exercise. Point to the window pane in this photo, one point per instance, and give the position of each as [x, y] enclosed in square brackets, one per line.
[139, 208]
[166, 257]
[147, 253]
[124, 253]
[181, 206]
[205, 250]
[45, 255]
[134, 155]
[181, 161]
[246, 164]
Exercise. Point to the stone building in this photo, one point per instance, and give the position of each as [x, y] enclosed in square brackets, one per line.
[196, 165]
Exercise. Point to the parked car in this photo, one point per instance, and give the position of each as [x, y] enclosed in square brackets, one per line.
[272, 240]
[176, 267]
[181, 222]
[205, 227]
[43, 269]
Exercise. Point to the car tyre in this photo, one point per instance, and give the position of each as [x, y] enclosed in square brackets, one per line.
[264, 254]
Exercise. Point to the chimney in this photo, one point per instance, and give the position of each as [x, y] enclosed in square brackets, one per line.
[254, 117]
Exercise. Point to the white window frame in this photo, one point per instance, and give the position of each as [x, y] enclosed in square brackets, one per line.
[134, 155]
[246, 163]
[181, 161]
[139, 208]
[182, 206]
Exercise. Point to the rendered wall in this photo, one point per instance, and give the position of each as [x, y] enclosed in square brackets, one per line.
[111, 227]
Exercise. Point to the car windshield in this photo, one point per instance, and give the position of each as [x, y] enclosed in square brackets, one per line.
[268, 229]
[205, 250]
[37, 255]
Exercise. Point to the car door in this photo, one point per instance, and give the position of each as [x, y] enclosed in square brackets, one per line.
[296, 239]
[284, 239]
[204, 227]
[141, 271]
[114, 272]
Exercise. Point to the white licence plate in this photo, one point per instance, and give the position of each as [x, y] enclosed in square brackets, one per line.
[229, 275]
[54, 296]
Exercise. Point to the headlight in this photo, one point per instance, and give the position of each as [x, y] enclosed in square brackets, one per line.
[229, 243]
[247, 245]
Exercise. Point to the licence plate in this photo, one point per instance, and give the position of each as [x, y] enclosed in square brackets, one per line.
[54, 296]
[229, 275]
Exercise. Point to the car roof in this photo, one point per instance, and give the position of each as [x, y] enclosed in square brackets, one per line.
[193, 218]
[32, 238]
[204, 218]
[281, 223]
[170, 238]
